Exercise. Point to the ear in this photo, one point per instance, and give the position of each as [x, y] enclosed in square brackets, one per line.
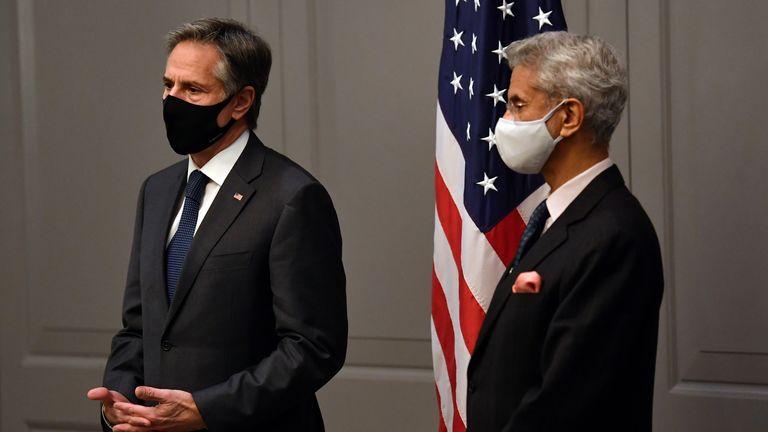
[573, 117]
[243, 101]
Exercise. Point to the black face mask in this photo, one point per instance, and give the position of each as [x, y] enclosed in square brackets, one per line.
[192, 128]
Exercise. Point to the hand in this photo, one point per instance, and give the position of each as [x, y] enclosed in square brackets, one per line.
[108, 399]
[175, 411]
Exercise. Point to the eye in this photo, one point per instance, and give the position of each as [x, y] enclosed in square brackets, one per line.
[515, 106]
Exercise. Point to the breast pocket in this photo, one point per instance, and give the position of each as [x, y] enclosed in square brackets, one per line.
[229, 261]
[530, 295]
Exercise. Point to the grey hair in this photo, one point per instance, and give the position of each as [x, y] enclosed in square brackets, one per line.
[565, 65]
[245, 57]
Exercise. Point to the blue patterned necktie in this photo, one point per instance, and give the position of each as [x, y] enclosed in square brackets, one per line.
[532, 231]
[179, 245]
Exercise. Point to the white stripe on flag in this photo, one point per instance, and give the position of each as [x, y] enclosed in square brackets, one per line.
[442, 380]
[449, 159]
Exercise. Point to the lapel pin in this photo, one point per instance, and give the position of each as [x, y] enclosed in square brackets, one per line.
[238, 196]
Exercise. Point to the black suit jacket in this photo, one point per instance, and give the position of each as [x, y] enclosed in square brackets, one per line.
[580, 354]
[258, 322]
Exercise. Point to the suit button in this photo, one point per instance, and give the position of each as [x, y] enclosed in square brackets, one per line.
[471, 387]
[166, 346]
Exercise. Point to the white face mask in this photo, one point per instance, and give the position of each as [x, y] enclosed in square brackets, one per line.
[525, 146]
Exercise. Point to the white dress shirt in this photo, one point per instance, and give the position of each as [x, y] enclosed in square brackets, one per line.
[217, 169]
[560, 199]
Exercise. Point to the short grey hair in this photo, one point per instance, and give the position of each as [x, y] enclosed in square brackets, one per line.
[245, 57]
[566, 65]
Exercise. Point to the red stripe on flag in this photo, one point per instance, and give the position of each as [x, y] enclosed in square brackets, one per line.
[505, 236]
[471, 314]
[444, 330]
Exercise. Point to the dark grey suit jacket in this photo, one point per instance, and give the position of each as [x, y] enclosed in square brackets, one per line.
[580, 354]
[258, 322]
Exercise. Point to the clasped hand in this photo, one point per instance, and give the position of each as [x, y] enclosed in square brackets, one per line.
[175, 411]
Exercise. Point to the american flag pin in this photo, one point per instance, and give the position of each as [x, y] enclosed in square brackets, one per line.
[238, 196]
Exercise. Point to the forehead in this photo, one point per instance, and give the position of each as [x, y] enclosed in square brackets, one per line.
[192, 61]
[521, 83]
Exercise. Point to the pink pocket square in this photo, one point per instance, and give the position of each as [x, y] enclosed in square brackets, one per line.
[527, 283]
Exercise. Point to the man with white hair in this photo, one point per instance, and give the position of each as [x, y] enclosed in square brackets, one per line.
[569, 340]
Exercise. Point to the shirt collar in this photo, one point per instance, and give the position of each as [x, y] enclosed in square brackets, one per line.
[560, 199]
[217, 169]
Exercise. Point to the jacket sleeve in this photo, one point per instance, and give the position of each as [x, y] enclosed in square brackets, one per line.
[124, 370]
[603, 331]
[309, 301]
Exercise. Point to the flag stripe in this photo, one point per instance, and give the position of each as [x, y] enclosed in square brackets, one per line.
[470, 313]
[444, 330]
[505, 236]
[481, 265]
[443, 382]
[441, 425]
[447, 275]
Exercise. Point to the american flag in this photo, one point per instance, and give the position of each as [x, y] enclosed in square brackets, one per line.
[481, 206]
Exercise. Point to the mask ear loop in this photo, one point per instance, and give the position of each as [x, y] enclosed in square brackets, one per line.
[549, 115]
[552, 111]
[544, 119]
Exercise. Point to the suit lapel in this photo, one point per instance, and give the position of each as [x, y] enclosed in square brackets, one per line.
[159, 217]
[555, 236]
[222, 213]
[549, 241]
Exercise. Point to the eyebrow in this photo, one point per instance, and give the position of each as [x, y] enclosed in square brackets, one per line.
[186, 84]
[514, 98]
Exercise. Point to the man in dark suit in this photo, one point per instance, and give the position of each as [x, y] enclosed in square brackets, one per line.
[569, 340]
[234, 312]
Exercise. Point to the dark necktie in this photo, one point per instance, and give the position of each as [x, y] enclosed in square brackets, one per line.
[532, 231]
[179, 245]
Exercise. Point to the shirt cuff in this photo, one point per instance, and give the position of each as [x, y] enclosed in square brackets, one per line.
[104, 418]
